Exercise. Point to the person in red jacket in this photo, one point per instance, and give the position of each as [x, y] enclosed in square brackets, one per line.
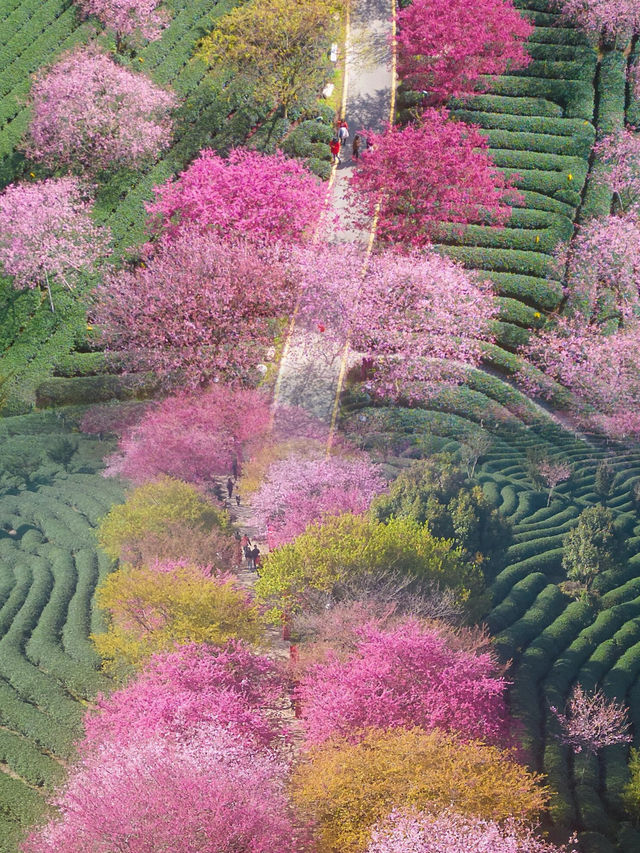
[334, 147]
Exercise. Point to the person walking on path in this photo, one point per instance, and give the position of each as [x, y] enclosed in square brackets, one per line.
[229, 487]
[334, 147]
[343, 132]
[248, 555]
[255, 557]
[355, 148]
[235, 468]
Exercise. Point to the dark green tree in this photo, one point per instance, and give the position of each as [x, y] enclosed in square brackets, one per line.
[605, 475]
[437, 493]
[592, 547]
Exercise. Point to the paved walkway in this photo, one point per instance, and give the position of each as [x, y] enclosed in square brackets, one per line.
[307, 377]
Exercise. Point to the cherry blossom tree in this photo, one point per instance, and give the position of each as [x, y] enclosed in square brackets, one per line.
[201, 308]
[446, 47]
[604, 267]
[423, 320]
[46, 234]
[448, 832]
[90, 114]
[553, 472]
[423, 175]
[610, 17]
[404, 675]
[592, 721]
[210, 794]
[265, 197]
[620, 152]
[230, 687]
[192, 438]
[130, 20]
[299, 490]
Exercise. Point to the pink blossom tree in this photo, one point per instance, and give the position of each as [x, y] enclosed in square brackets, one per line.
[448, 832]
[446, 47]
[405, 675]
[423, 175]
[47, 235]
[202, 308]
[423, 320]
[592, 721]
[620, 152]
[299, 490]
[553, 472]
[89, 113]
[264, 197]
[177, 692]
[192, 438]
[129, 20]
[210, 794]
[610, 17]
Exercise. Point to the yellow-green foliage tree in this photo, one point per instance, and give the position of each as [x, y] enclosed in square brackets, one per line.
[151, 611]
[152, 508]
[345, 788]
[280, 47]
[346, 549]
[631, 792]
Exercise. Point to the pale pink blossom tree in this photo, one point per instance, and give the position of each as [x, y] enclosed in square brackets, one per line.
[620, 152]
[192, 438]
[264, 197]
[423, 320]
[299, 490]
[592, 721]
[445, 47]
[47, 235]
[416, 178]
[90, 114]
[553, 472]
[177, 692]
[129, 20]
[448, 832]
[211, 794]
[404, 675]
[610, 17]
[202, 308]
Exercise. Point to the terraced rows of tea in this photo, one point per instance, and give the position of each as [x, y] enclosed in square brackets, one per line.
[51, 497]
[552, 640]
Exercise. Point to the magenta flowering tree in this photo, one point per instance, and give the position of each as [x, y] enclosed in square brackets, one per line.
[423, 175]
[592, 721]
[609, 17]
[445, 47]
[448, 832]
[192, 438]
[47, 235]
[177, 692]
[201, 308]
[620, 152]
[299, 490]
[405, 675]
[264, 197]
[423, 320]
[210, 794]
[604, 267]
[129, 20]
[89, 113]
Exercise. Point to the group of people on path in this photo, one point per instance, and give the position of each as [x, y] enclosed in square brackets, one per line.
[251, 554]
[340, 140]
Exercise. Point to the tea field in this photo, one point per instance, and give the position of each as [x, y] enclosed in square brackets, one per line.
[51, 496]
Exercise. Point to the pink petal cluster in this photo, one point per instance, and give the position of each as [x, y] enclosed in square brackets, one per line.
[135, 19]
[265, 197]
[232, 688]
[592, 721]
[620, 152]
[89, 112]
[611, 17]
[299, 490]
[554, 472]
[422, 175]
[448, 832]
[192, 438]
[423, 320]
[201, 309]
[46, 233]
[445, 47]
[405, 675]
[210, 794]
